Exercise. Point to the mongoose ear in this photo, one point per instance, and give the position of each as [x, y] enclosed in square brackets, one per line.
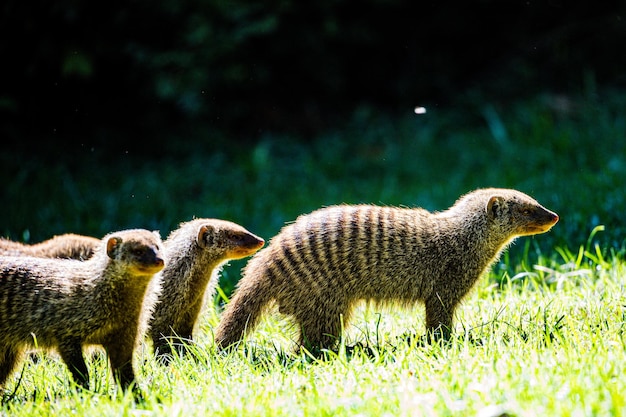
[495, 207]
[203, 233]
[112, 244]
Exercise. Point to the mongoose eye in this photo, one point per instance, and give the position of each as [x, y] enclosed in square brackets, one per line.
[526, 212]
[236, 237]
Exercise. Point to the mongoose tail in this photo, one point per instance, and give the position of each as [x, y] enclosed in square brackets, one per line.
[245, 308]
[196, 252]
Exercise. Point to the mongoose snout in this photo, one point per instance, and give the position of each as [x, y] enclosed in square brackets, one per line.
[150, 267]
[245, 245]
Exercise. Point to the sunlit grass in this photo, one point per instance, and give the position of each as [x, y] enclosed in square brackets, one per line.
[546, 341]
[542, 334]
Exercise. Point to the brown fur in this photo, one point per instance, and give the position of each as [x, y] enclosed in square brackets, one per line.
[68, 245]
[65, 304]
[195, 253]
[318, 267]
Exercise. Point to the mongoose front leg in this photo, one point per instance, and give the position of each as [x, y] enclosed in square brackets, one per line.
[183, 330]
[188, 320]
[177, 336]
[175, 339]
[8, 359]
[162, 346]
[439, 315]
[121, 359]
[72, 354]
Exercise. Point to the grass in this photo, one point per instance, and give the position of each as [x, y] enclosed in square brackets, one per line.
[543, 342]
[542, 334]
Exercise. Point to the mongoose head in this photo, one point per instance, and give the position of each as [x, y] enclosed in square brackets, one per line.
[139, 249]
[518, 213]
[233, 240]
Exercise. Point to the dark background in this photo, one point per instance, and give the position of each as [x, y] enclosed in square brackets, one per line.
[137, 73]
[146, 114]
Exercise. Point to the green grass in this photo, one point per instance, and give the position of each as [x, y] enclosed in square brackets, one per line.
[543, 334]
[550, 340]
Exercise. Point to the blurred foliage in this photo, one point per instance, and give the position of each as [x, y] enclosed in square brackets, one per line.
[568, 152]
[144, 114]
[134, 72]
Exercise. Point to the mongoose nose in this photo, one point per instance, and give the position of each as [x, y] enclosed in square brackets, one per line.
[555, 217]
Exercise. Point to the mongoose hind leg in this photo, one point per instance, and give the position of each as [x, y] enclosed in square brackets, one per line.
[321, 329]
[72, 354]
[9, 357]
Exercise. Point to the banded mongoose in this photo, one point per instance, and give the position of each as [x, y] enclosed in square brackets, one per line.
[65, 304]
[195, 253]
[318, 267]
[68, 245]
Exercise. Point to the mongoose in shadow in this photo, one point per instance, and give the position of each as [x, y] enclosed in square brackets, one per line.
[195, 253]
[68, 245]
[66, 304]
[318, 267]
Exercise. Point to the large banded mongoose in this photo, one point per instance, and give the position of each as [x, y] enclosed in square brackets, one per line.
[318, 267]
[65, 304]
[195, 253]
[68, 245]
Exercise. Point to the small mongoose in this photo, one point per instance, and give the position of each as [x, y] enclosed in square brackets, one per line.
[68, 245]
[318, 267]
[195, 253]
[65, 304]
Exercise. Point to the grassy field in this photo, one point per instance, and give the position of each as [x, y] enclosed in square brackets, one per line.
[550, 340]
[542, 334]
